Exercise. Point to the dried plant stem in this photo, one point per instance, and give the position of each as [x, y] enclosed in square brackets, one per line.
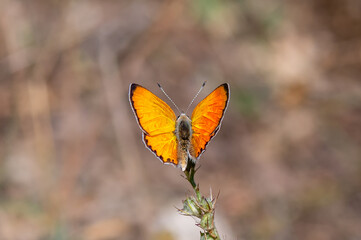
[200, 207]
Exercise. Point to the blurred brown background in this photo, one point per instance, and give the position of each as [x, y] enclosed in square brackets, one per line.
[286, 160]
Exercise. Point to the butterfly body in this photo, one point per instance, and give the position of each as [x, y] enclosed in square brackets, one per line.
[183, 133]
[177, 140]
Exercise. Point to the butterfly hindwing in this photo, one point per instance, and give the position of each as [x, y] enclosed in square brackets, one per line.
[164, 146]
[157, 121]
[207, 118]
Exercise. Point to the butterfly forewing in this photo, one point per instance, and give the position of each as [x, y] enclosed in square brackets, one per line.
[157, 121]
[207, 117]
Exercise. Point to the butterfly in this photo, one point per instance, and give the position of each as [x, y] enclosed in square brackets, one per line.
[176, 140]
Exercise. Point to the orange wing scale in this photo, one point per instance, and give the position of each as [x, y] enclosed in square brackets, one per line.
[157, 121]
[207, 117]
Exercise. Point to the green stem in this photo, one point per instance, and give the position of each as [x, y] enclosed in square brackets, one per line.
[210, 232]
[189, 172]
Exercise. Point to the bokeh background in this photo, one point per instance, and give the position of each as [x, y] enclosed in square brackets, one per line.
[287, 160]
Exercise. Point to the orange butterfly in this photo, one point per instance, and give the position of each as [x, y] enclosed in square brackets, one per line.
[172, 139]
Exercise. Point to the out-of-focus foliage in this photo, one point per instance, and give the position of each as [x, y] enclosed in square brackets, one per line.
[286, 160]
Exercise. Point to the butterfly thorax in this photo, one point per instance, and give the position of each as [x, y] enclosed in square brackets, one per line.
[183, 133]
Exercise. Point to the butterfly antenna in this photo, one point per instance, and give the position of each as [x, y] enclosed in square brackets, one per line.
[196, 95]
[169, 97]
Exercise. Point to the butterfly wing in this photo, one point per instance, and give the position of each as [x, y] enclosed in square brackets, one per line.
[157, 121]
[207, 118]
